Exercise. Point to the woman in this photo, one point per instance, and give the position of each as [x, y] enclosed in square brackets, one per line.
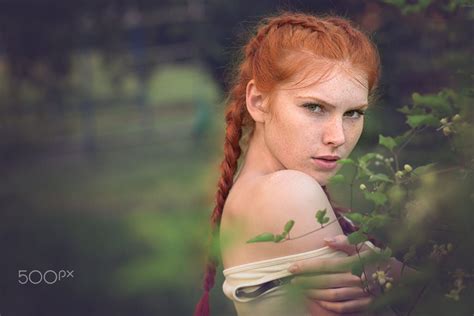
[299, 98]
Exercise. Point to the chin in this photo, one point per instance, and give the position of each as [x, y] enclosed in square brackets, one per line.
[320, 178]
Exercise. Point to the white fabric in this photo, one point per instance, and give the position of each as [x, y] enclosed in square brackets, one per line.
[274, 301]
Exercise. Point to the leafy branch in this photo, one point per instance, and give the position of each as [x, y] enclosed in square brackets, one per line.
[285, 235]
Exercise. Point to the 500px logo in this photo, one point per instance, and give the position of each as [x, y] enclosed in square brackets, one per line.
[48, 277]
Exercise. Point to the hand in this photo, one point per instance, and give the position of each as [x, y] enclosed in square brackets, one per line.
[331, 285]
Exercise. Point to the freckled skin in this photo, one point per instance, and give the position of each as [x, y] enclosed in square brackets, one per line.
[292, 133]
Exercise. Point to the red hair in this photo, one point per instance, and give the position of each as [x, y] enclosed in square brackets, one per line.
[266, 60]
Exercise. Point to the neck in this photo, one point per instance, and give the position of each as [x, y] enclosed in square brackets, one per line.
[258, 159]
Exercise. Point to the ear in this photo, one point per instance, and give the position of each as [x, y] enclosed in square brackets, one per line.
[255, 102]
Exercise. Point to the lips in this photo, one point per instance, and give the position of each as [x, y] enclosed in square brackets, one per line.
[326, 162]
[329, 157]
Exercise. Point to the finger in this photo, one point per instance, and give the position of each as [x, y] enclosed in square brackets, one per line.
[340, 242]
[326, 265]
[327, 281]
[337, 294]
[352, 306]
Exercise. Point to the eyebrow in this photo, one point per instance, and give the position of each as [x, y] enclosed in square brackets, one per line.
[325, 103]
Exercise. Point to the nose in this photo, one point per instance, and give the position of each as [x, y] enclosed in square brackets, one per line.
[333, 133]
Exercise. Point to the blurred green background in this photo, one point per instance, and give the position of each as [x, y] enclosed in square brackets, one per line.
[111, 124]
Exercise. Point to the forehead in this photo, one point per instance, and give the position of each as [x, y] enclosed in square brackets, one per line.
[339, 85]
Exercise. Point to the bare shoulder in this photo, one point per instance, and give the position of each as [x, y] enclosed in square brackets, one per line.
[270, 202]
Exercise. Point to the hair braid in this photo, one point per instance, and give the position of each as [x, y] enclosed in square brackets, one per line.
[234, 118]
[294, 20]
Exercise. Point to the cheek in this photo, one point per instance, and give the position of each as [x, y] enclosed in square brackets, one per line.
[290, 138]
[353, 130]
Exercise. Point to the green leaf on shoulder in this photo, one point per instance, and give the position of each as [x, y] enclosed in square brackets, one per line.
[387, 141]
[288, 226]
[264, 237]
[321, 217]
[279, 238]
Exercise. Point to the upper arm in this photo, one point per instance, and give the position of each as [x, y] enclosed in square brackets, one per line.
[282, 196]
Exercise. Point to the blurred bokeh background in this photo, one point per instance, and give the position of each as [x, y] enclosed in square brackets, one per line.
[111, 133]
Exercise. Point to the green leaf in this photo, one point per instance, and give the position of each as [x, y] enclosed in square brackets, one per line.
[380, 177]
[424, 119]
[357, 218]
[386, 253]
[321, 213]
[338, 178]
[279, 238]
[387, 142]
[377, 221]
[265, 237]
[365, 158]
[346, 161]
[378, 198]
[289, 226]
[321, 216]
[357, 268]
[423, 169]
[437, 102]
[405, 110]
[356, 238]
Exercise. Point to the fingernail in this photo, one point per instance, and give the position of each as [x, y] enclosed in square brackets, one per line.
[329, 240]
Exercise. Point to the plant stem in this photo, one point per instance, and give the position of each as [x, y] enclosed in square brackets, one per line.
[310, 232]
[352, 185]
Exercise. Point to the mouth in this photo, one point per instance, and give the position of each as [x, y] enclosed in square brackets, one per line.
[326, 162]
[328, 158]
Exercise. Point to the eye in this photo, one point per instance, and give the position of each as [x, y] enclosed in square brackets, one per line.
[355, 114]
[314, 107]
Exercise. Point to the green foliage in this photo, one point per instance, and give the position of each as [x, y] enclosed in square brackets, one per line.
[387, 142]
[338, 178]
[346, 161]
[269, 237]
[264, 237]
[380, 177]
[288, 226]
[356, 237]
[321, 217]
[420, 120]
[378, 198]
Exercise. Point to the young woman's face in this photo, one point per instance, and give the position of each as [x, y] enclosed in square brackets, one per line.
[322, 119]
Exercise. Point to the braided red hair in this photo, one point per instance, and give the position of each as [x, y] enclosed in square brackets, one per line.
[265, 60]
